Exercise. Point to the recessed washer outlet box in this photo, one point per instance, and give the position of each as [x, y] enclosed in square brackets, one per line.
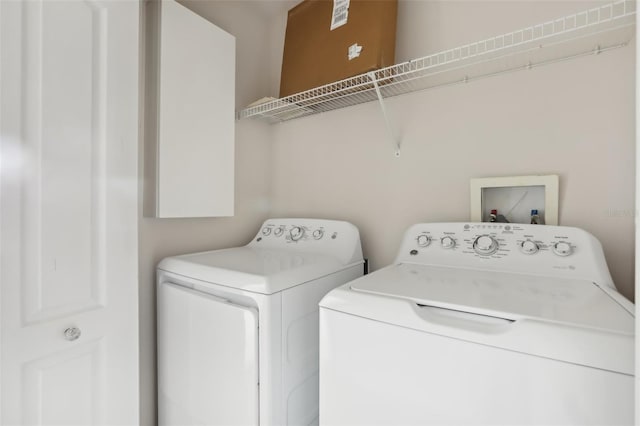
[514, 197]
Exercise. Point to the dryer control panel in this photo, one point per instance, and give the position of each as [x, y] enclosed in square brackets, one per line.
[331, 237]
[557, 251]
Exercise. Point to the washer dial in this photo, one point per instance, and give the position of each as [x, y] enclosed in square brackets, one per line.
[562, 248]
[317, 234]
[279, 231]
[447, 242]
[529, 247]
[485, 245]
[423, 240]
[296, 233]
[266, 231]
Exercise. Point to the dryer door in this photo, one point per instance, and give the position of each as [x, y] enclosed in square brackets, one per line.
[207, 359]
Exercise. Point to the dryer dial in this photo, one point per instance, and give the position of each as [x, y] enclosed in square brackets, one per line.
[266, 231]
[485, 245]
[317, 234]
[423, 240]
[279, 231]
[296, 233]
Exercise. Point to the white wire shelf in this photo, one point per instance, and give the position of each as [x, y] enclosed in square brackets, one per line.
[589, 32]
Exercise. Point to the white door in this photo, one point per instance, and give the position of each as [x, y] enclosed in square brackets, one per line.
[68, 212]
[207, 359]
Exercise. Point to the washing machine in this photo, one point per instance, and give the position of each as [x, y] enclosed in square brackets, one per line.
[238, 328]
[480, 324]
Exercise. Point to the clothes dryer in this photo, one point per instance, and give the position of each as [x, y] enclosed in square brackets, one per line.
[238, 328]
[480, 324]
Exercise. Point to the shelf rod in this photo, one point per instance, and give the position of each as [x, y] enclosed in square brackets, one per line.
[414, 75]
[390, 131]
[530, 65]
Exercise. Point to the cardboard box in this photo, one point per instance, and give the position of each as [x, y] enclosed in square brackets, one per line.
[315, 54]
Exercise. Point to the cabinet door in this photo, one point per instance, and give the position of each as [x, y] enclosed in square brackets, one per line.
[195, 116]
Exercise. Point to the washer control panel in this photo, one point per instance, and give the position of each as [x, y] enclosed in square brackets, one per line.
[496, 241]
[556, 250]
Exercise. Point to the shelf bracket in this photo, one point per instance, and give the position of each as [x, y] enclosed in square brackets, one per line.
[390, 130]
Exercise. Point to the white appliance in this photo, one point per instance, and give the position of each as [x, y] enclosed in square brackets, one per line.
[238, 328]
[477, 323]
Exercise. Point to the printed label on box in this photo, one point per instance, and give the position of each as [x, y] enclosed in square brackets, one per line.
[354, 51]
[340, 13]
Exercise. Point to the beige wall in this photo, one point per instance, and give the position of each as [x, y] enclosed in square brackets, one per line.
[574, 119]
[342, 166]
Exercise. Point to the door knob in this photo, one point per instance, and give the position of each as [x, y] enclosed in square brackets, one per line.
[72, 333]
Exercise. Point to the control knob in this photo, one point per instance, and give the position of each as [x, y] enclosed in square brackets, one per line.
[485, 244]
[266, 231]
[423, 240]
[529, 247]
[447, 242]
[317, 234]
[279, 231]
[562, 248]
[296, 233]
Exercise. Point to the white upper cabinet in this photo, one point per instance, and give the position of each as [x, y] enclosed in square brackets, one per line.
[190, 113]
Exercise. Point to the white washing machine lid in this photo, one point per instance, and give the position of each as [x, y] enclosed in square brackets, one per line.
[503, 295]
[259, 270]
[569, 320]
